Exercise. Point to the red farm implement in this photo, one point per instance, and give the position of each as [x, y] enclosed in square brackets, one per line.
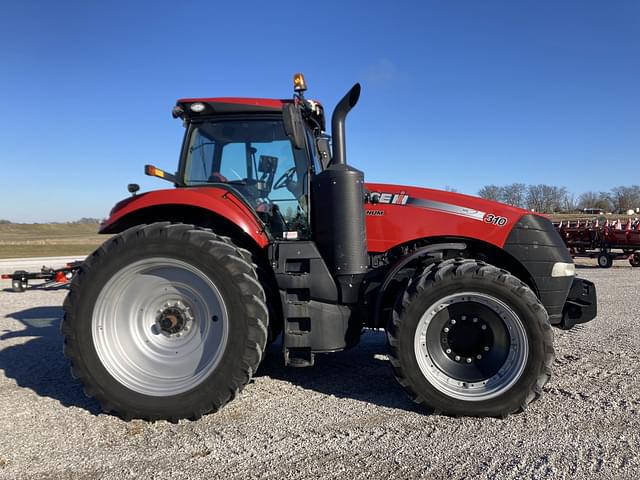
[594, 240]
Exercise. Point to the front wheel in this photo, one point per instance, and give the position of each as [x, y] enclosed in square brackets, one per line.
[634, 260]
[469, 339]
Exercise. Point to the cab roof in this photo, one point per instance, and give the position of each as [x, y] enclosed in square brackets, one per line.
[222, 105]
[185, 110]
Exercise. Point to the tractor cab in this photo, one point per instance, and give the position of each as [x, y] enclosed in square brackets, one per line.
[263, 150]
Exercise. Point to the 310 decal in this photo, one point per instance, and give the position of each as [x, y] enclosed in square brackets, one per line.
[495, 220]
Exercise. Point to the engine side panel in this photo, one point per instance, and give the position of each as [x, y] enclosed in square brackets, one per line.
[402, 214]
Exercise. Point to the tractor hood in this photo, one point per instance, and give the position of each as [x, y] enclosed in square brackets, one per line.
[398, 214]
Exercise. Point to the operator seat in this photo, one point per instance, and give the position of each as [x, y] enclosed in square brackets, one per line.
[217, 177]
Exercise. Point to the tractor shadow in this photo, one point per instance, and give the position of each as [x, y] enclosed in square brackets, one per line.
[362, 373]
[38, 364]
[40, 286]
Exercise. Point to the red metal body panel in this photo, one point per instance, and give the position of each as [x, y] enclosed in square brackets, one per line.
[218, 200]
[424, 215]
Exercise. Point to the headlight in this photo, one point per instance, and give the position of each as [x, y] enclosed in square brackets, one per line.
[562, 269]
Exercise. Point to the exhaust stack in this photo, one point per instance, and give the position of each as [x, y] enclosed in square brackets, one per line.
[338, 221]
[337, 124]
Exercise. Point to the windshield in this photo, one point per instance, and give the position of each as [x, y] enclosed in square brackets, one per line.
[254, 157]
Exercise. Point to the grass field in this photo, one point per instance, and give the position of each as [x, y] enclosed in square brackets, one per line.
[18, 240]
[44, 240]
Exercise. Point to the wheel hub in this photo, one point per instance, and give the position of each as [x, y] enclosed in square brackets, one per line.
[149, 326]
[173, 319]
[466, 339]
[470, 345]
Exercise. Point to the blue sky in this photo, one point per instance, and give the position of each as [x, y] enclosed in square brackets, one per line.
[455, 93]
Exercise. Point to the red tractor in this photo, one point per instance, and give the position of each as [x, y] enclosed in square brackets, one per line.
[269, 231]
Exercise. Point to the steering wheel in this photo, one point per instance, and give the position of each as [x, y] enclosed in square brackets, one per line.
[285, 178]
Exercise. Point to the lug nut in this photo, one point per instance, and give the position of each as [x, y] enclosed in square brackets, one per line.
[453, 321]
[483, 327]
[457, 358]
[468, 360]
[446, 329]
[475, 320]
[486, 349]
[464, 317]
[479, 357]
[448, 350]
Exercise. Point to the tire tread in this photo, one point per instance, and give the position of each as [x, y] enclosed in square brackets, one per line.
[242, 270]
[440, 271]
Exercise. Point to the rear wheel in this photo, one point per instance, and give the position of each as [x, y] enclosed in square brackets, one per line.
[634, 260]
[165, 321]
[605, 260]
[469, 339]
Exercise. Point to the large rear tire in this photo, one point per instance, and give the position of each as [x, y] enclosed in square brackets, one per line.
[467, 338]
[165, 321]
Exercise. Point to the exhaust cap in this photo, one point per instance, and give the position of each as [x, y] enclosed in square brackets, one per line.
[343, 107]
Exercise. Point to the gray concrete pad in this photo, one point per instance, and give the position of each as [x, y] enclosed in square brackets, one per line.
[343, 418]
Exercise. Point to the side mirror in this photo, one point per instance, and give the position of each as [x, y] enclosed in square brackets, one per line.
[293, 125]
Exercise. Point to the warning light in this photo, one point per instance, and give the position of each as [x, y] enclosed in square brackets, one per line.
[154, 171]
[299, 84]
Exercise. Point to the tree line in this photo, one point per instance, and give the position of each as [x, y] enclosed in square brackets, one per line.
[81, 221]
[553, 199]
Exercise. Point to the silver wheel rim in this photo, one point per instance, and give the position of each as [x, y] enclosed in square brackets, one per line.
[160, 326]
[507, 375]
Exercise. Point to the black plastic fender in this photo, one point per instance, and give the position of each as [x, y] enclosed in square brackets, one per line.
[403, 262]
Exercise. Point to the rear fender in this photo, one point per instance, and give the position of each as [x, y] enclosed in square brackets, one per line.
[213, 201]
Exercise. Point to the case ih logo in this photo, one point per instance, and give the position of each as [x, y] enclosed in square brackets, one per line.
[392, 198]
[403, 199]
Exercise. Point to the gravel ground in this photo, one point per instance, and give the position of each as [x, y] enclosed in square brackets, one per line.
[346, 417]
